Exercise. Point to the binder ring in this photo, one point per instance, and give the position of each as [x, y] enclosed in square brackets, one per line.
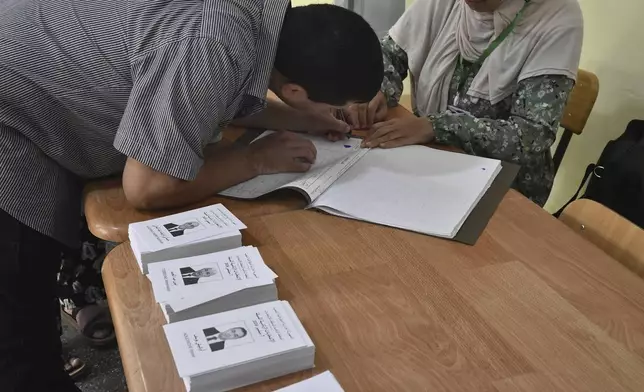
[595, 171]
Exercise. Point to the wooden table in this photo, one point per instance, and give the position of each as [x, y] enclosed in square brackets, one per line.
[532, 307]
[108, 212]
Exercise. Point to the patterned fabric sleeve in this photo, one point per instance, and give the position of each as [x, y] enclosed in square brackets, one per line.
[395, 62]
[537, 107]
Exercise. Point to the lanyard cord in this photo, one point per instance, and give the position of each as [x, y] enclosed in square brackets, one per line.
[492, 47]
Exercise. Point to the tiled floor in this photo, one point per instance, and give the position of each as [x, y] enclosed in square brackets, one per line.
[106, 371]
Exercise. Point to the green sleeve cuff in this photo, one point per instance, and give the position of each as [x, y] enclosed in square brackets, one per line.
[392, 99]
[441, 128]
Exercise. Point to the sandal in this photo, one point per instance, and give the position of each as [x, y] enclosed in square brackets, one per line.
[75, 368]
[94, 323]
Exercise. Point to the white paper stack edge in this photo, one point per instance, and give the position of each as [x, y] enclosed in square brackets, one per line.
[241, 347]
[191, 233]
[323, 382]
[207, 284]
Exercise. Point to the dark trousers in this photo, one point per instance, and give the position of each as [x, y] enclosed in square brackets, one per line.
[30, 348]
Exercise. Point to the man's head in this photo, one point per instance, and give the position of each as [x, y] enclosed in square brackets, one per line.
[188, 225]
[233, 333]
[327, 56]
[206, 272]
[484, 5]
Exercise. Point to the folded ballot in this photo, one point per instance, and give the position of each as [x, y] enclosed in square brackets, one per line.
[216, 282]
[191, 233]
[324, 382]
[241, 347]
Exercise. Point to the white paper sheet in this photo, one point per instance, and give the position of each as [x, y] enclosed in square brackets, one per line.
[323, 382]
[333, 159]
[414, 188]
[194, 280]
[184, 228]
[259, 331]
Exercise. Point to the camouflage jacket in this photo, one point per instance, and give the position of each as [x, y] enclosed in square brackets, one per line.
[520, 129]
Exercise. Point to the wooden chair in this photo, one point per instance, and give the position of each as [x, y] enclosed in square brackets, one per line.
[615, 235]
[580, 105]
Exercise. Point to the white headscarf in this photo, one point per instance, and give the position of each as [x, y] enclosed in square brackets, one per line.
[546, 41]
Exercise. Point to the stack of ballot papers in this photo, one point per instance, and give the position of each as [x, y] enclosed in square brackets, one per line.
[324, 382]
[241, 347]
[204, 230]
[207, 284]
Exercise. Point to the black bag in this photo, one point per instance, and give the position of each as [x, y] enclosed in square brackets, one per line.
[617, 180]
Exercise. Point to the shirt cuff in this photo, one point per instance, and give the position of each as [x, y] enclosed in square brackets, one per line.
[391, 93]
[186, 167]
[440, 125]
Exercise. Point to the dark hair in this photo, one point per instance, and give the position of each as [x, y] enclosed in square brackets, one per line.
[331, 52]
[244, 330]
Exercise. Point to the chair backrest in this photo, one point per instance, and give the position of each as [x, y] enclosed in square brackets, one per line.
[581, 102]
[615, 235]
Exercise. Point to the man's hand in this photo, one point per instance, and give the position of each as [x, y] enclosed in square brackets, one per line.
[331, 124]
[400, 132]
[278, 115]
[224, 166]
[328, 122]
[282, 152]
[364, 115]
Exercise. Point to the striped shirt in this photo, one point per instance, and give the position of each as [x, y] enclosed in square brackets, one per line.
[86, 84]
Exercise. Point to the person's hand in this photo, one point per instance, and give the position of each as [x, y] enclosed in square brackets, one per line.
[335, 136]
[364, 115]
[281, 152]
[400, 132]
[330, 125]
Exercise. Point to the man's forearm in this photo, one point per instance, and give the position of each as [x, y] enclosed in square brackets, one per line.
[223, 167]
[278, 116]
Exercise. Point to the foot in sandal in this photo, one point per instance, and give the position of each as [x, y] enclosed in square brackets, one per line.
[93, 322]
[75, 368]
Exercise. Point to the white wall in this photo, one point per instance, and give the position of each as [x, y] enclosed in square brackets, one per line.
[382, 14]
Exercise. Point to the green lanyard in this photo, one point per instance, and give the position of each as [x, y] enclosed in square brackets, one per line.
[465, 69]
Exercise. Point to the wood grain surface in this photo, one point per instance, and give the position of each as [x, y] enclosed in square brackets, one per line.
[581, 102]
[605, 228]
[532, 307]
[108, 212]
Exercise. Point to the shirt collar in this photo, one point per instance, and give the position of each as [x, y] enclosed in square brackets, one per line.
[266, 49]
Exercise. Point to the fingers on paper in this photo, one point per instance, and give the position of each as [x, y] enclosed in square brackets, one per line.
[335, 136]
[381, 133]
[303, 157]
[373, 112]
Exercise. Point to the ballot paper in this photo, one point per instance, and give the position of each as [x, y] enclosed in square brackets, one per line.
[211, 274]
[240, 347]
[323, 382]
[203, 230]
[415, 188]
[212, 283]
[185, 227]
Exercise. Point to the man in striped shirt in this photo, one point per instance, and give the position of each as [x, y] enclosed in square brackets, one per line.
[94, 88]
